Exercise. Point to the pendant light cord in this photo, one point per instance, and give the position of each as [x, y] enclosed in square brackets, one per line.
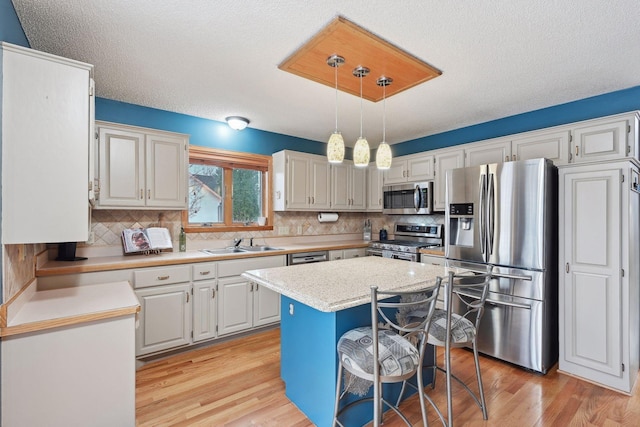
[361, 76]
[336, 80]
[384, 113]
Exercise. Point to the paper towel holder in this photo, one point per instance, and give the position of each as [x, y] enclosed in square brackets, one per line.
[327, 217]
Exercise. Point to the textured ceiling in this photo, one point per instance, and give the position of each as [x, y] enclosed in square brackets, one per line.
[213, 59]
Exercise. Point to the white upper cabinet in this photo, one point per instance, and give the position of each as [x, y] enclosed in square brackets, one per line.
[551, 145]
[141, 168]
[374, 188]
[605, 140]
[301, 181]
[46, 128]
[446, 159]
[487, 152]
[348, 187]
[413, 168]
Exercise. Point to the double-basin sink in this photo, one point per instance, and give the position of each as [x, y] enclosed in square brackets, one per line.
[239, 250]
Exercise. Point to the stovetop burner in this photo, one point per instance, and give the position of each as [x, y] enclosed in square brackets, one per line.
[413, 237]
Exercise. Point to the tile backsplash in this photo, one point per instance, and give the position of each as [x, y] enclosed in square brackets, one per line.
[107, 225]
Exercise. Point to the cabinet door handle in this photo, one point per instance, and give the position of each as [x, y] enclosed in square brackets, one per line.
[163, 277]
[149, 194]
[141, 194]
[213, 294]
[576, 150]
[506, 158]
[313, 200]
[187, 296]
[256, 287]
[514, 157]
[205, 273]
[567, 267]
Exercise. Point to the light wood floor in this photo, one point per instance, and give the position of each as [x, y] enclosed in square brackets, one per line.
[237, 383]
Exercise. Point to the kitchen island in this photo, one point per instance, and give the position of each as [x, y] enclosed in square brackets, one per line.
[319, 303]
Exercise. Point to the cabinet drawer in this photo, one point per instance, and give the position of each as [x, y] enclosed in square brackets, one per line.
[205, 270]
[161, 276]
[238, 266]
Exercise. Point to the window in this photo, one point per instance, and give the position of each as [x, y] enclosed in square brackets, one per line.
[227, 191]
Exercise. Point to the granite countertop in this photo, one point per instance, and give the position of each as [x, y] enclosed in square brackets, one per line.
[337, 285]
[107, 263]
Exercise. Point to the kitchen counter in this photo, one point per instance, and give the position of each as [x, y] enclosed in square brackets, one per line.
[338, 285]
[437, 251]
[33, 310]
[319, 303]
[107, 263]
[68, 356]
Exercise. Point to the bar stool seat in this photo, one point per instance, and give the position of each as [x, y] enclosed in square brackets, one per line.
[390, 350]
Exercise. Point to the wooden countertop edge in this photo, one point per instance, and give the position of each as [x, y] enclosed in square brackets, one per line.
[159, 261]
[6, 331]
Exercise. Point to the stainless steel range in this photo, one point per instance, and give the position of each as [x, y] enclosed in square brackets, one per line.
[409, 238]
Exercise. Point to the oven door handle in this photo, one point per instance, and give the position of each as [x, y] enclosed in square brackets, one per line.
[494, 302]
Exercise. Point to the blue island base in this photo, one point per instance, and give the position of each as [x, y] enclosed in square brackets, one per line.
[309, 361]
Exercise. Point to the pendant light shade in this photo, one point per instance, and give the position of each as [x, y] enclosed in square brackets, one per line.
[361, 152]
[335, 146]
[383, 154]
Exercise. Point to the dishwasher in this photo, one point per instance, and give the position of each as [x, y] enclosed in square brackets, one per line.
[307, 257]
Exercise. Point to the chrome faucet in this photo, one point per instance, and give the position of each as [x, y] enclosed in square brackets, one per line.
[236, 242]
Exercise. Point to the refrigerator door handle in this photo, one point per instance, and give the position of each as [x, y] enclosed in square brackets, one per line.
[482, 216]
[492, 216]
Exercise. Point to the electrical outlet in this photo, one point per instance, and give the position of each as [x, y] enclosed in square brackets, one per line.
[92, 238]
[283, 230]
[299, 229]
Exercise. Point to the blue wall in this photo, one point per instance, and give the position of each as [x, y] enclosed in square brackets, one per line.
[204, 132]
[584, 109]
[10, 28]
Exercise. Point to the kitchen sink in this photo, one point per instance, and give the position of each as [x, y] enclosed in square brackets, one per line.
[239, 250]
[223, 251]
[259, 248]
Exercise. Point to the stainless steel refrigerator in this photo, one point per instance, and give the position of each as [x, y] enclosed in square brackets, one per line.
[505, 215]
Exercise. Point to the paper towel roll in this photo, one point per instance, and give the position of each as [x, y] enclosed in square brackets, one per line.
[327, 217]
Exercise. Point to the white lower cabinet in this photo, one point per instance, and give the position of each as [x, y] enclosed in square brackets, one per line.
[347, 253]
[205, 301]
[236, 296]
[242, 304]
[165, 318]
[599, 324]
[186, 304]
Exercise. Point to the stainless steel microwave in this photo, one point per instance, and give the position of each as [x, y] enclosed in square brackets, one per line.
[408, 199]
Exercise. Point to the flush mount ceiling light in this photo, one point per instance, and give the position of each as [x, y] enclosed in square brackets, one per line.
[335, 146]
[361, 150]
[237, 122]
[383, 154]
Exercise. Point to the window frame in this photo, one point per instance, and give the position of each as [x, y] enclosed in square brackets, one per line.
[228, 160]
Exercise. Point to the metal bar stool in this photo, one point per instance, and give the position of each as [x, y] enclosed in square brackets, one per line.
[389, 353]
[457, 326]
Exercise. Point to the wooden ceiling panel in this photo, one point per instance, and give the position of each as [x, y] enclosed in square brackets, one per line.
[359, 48]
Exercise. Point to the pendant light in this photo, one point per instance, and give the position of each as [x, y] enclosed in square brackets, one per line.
[361, 150]
[383, 154]
[335, 146]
